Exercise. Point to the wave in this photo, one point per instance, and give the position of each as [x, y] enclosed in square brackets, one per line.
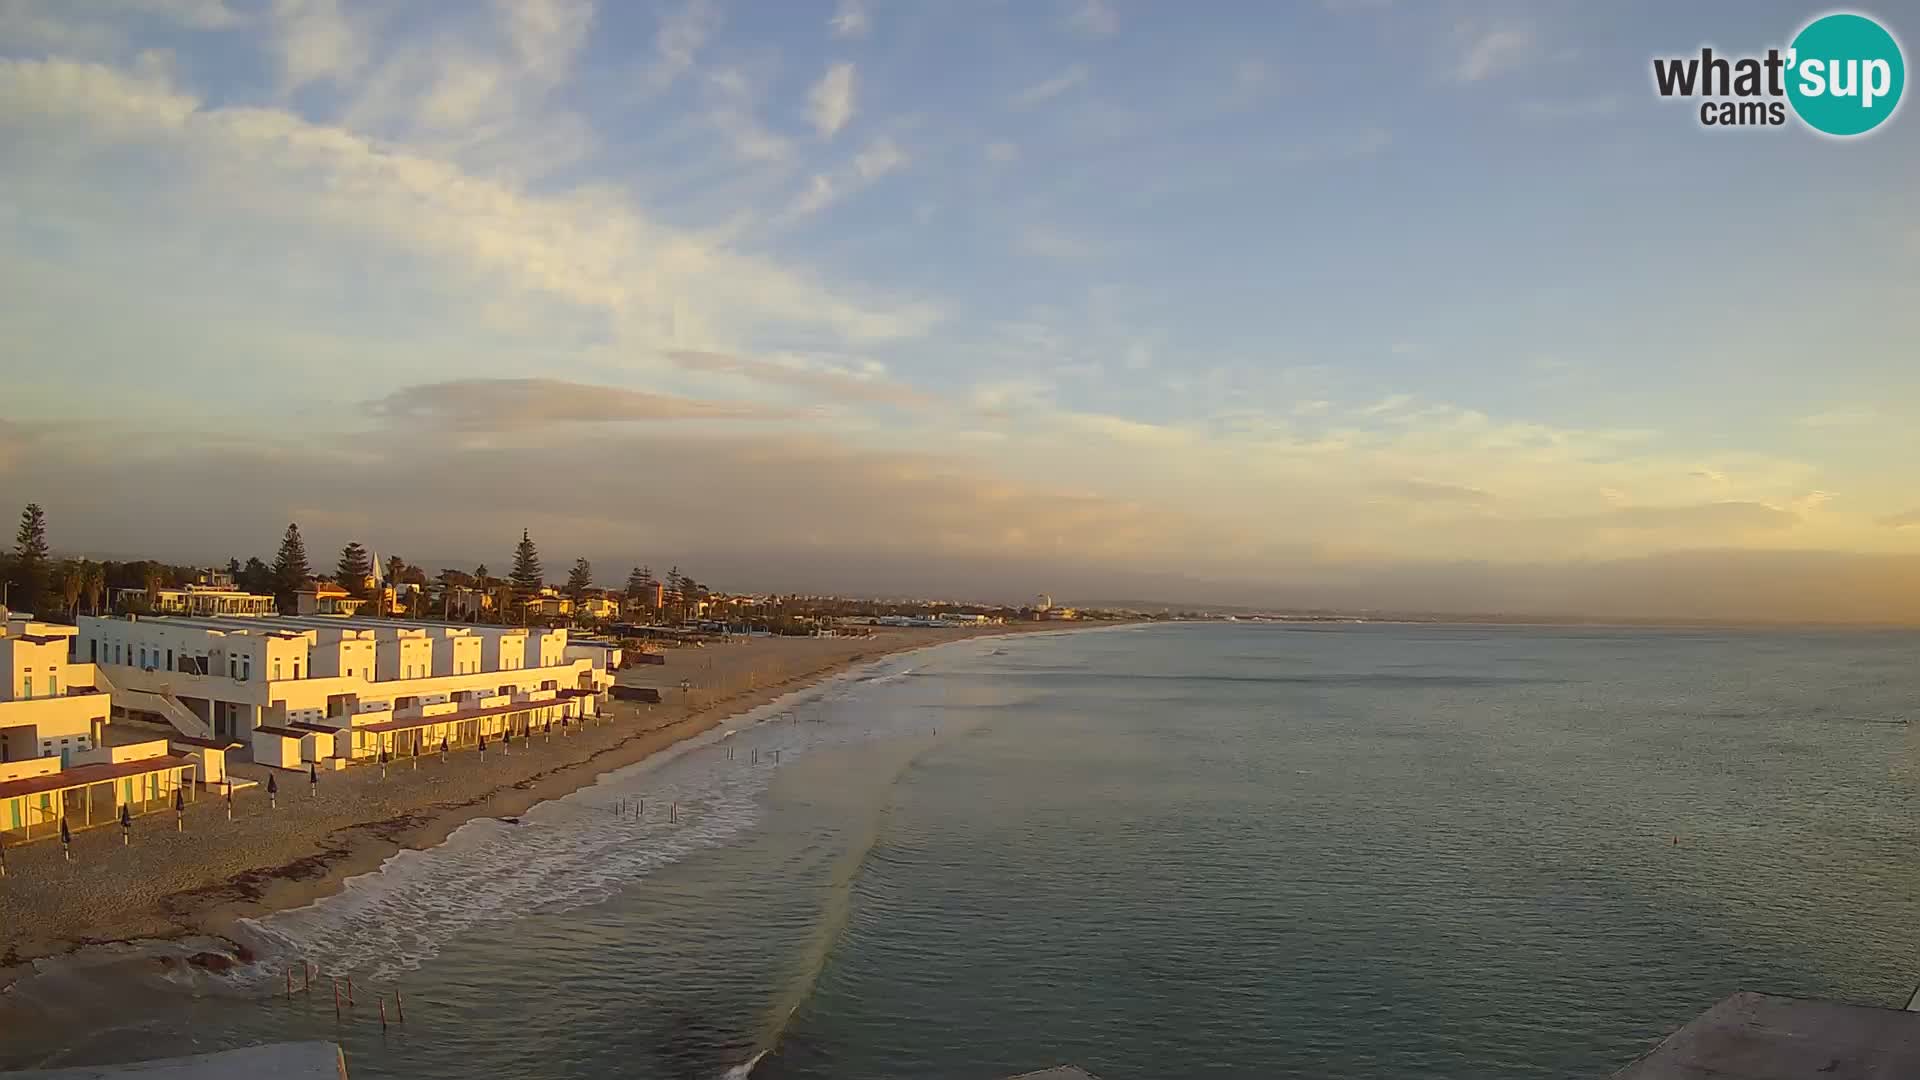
[563, 854]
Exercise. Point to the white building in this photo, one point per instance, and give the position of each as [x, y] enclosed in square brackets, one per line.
[224, 677]
[196, 600]
[49, 707]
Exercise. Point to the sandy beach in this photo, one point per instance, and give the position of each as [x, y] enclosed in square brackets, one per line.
[197, 881]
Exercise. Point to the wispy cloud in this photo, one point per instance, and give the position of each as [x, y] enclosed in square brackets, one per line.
[317, 41]
[1839, 418]
[830, 103]
[838, 385]
[879, 158]
[510, 404]
[1569, 108]
[1094, 17]
[1909, 519]
[1002, 153]
[1050, 88]
[1051, 242]
[1483, 52]
[682, 33]
[850, 19]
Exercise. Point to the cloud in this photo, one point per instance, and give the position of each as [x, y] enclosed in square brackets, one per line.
[546, 34]
[682, 33]
[1839, 418]
[1002, 153]
[832, 384]
[1095, 18]
[850, 19]
[830, 104]
[317, 42]
[1569, 109]
[1051, 242]
[510, 404]
[880, 157]
[1716, 516]
[1051, 88]
[1434, 491]
[1487, 52]
[268, 169]
[1909, 519]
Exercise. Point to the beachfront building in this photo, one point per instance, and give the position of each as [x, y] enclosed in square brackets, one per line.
[91, 788]
[325, 689]
[194, 600]
[49, 707]
[326, 599]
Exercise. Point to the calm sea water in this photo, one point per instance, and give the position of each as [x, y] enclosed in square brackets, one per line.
[1215, 850]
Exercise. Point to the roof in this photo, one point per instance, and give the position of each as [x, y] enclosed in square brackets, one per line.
[448, 718]
[321, 728]
[91, 774]
[285, 732]
[195, 740]
[1752, 1036]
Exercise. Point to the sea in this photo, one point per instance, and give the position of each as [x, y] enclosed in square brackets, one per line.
[1173, 850]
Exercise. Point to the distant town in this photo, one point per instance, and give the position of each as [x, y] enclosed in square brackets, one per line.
[135, 687]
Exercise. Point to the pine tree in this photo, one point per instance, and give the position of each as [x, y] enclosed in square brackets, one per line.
[526, 577]
[256, 577]
[290, 570]
[579, 579]
[30, 558]
[355, 565]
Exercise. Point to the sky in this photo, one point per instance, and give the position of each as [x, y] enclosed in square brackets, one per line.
[1356, 302]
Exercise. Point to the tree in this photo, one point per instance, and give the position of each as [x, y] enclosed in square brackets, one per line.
[151, 577]
[256, 577]
[526, 577]
[30, 557]
[676, 597]
[72, 578]
[290, 570]
[96, 586]
[579, 580]
[396, 569]
[233, 571]
[637, 581]
[354, 569]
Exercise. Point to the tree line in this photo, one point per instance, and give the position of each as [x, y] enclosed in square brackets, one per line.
[35, 581]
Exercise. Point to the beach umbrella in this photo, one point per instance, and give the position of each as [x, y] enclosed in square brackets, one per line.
[3, 858]
[549, 729]
[443, 748]
[506, 741]
[483, 746]
[273, 792]
[179, 809]
[126, 826]
[313, 777]
[229, 798]
[66, 840]
[383, 761]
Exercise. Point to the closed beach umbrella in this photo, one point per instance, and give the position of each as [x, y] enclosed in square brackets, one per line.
[126, 825]
[313, 777]
[179, 808]
[443, 748]
[66, 840]
[273, 790]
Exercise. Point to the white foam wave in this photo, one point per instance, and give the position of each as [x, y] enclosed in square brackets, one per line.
[572, 851]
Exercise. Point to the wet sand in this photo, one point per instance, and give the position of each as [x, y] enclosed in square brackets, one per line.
[198, 881]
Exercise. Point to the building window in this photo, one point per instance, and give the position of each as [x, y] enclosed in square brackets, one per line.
[169, 659]
[53, 685]
[246, 668]
[296, 669]
[26, 691]
[276, 671]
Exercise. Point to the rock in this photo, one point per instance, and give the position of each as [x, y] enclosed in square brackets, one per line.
[242, 953]
[211, 961]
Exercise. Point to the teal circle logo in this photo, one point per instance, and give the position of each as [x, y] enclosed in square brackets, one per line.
[1845, 74]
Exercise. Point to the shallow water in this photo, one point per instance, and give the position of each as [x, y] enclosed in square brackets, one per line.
[1228, 850]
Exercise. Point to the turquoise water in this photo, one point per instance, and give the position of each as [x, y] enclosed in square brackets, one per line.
[1218, 850]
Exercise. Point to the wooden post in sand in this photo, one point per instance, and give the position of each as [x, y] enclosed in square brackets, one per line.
[336, 1000]
[306, 977]
[399, 1005]
[349, 991]
[383, 1014]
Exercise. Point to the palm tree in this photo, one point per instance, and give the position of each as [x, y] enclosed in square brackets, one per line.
[96, 586]
[73, 582]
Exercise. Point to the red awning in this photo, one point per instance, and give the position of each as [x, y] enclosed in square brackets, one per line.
[91, 774]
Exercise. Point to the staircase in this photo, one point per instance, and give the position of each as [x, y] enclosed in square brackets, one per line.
[160, 702]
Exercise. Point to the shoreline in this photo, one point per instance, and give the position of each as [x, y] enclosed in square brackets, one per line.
[304, 862]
